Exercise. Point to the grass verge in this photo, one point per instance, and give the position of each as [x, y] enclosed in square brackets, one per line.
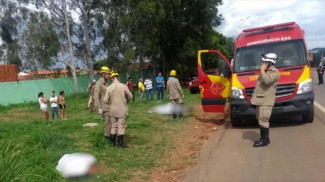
[150, 138]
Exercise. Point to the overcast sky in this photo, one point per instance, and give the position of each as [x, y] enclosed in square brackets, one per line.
[242, 14]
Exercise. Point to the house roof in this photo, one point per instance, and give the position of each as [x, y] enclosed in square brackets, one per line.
[50, 72]
[142, 66]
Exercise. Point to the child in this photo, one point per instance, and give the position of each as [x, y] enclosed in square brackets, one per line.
[62, 104]
[43, 105]
[54, 105]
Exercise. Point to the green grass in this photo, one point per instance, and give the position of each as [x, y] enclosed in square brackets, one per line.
[41, 144]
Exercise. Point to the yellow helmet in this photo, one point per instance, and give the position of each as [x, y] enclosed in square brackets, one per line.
[114, 74]
[104, 69]
[173, 73]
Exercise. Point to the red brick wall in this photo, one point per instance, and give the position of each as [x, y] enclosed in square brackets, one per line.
[8, 73]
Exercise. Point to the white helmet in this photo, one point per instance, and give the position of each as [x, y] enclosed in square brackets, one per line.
[269, 57]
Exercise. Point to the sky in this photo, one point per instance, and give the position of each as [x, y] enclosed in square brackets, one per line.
[242, 14]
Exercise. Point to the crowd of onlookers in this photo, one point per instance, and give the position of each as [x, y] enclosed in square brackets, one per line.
[144, 87]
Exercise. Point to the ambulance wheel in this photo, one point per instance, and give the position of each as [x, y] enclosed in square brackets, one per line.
[193, 91]
[309, 118]
[235, 122]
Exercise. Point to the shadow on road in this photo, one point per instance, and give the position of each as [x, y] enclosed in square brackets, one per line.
[275, 122]
[251, 135]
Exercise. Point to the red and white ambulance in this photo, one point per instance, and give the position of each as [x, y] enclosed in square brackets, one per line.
[235, 81]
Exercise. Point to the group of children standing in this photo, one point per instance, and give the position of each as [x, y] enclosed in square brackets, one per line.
[54, 105]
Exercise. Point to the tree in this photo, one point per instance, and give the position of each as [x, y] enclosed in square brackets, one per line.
[89, 30]
[119, 38]
[61, 19]
[40, 42]
[175, 30]
[168, 33]
[11, 16]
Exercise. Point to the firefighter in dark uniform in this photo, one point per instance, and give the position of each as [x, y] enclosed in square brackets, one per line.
[264, 96]
[320, 72]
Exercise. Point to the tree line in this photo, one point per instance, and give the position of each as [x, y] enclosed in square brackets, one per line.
[37, 34]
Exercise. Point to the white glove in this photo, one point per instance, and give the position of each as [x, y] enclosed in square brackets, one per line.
[100, 111]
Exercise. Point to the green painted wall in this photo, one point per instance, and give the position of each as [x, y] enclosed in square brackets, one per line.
[27, 91]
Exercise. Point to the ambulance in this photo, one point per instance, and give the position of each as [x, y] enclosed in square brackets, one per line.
[234, 81]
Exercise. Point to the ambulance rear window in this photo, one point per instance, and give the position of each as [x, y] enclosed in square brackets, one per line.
[290, 53]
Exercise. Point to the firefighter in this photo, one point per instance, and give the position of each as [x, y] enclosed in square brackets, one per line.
[320, 72]
[103, 108]
[118, 94]
[264, 96]
[174, 92]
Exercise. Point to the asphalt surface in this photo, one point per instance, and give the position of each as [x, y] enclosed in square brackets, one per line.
[296, 152]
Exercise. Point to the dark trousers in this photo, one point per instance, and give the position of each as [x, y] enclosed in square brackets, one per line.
[55, 111]
[160, 93]
[133, 96]
[320, 77]
[149, 91]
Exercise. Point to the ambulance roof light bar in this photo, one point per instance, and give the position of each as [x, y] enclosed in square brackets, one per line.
[269, 27]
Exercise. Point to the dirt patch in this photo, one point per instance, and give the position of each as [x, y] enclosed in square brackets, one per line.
[102, 168]
[18, 110]
[188, 145]
[20, 115]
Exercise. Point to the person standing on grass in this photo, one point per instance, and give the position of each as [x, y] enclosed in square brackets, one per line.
[91, 90]
[175, 92]
[62, 105]
[103, 108]
[160, 86]
[117, 95]
[54, 105]
[130, 86]
[148, 84]
[43, 105]
[141, 89]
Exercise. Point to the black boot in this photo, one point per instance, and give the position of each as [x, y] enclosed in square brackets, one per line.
[120, 141]
[267, 135]
[174, 116]
[264, 141]
[113, 139]
[180, 115]
[267, 139]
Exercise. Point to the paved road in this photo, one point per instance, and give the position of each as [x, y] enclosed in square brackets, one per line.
[296, 153]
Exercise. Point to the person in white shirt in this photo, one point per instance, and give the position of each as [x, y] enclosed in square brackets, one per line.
[54, 105]
[148, 85]
[43, 105]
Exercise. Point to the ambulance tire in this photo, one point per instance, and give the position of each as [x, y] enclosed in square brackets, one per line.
[309, 118]
[193, 91]
[235, 122]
